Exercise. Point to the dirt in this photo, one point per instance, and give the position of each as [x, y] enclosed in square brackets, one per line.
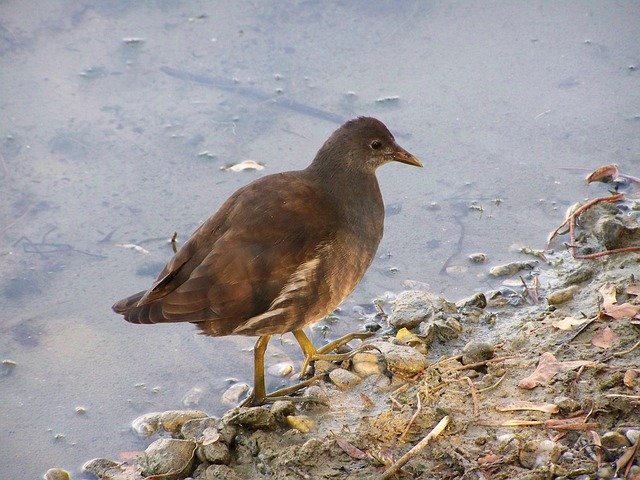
[586, 382]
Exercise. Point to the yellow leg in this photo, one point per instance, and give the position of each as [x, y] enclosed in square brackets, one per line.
[312, 353]
[259, 388]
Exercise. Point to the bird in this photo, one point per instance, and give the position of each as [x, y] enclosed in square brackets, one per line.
[282, 252]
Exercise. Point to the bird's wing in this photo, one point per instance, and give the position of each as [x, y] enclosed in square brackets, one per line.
[254, 255]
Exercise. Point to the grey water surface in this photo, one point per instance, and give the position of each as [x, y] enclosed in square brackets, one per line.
[116, 118]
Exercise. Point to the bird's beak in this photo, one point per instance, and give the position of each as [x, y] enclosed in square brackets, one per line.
[402, 156]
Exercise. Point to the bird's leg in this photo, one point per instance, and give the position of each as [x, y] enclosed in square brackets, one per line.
[259, 390]
[311, 353]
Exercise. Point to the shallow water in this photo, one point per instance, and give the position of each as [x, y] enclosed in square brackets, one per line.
[100, 148]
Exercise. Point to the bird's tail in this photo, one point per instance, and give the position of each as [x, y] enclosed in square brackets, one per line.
[126, 304]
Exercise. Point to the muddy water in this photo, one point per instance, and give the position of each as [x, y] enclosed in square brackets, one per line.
[101, 148]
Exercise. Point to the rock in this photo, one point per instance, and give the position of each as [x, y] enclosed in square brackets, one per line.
[442, 326]
[563, 295]
[147, 424]
[280, 370]
[194, 429]
[221, 472]
[402, 359]
[538, 454]
[169, 456]
[234, 393]
[319, 394]
[252, 417]
[614, 440]
[579, 275]
[512, 268]
[98, 466]
[216, 453]
[479, 300]
[474, 352]
[366, 364]
[616, 232]
[282, 409]
[56, 474]
[321, 367]
[633, 435]
[605, 472]
[412, 307]
[478, 257]
[344, 379]
[566, 404]
[172, 420]
[302, 423]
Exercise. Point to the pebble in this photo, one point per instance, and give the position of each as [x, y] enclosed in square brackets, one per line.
[402, 359]
[366, 364]
[538, 454]
[511, 268]
[478, 257]
[193, 397]
[412, 307]
[302, 423]
[474, 352]
[216, 453]
[172, 420]
[168, 456]
[252, 417]
[234, 393]
[319, 394]
[344, 379]
[221, 472]
[633, 435]
[605, 472]
[563, 295]
[99, 466]
[147, 424]
[579, 275]
[195, 429]
[479, 300]
[614, 440]
[56, 474]
[566, 404]
[282, 409]
[280, 370]
[7, 366]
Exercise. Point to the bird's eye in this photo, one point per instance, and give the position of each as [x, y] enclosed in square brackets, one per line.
[376, 144]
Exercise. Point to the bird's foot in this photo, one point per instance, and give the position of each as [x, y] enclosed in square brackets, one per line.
[282, 394]
[322, 352]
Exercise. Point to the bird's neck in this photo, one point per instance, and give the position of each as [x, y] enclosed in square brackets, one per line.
[355, 194]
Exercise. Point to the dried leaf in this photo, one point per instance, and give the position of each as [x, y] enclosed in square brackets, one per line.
[630, 378]
[611, 309]
[604, 174]
[604, 338]
[539, 407]
[567, 323]
[349, 449]
[633, 289]
[570, 424]
[547, 367]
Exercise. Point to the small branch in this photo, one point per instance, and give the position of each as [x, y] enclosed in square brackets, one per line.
[415, 451]
[413, 418]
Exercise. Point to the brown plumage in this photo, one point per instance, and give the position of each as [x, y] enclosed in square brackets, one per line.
[283, 251]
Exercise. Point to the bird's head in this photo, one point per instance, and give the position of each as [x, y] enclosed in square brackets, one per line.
[362, 144]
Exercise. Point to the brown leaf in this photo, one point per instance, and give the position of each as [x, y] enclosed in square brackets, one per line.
[604, 338]
[547, 367]
[604, 174]
[567, 323]
[349, 449]
[609, 306]
[633, 289]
